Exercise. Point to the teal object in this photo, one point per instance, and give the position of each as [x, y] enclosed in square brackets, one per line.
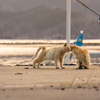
[99, 18]
[79, 40]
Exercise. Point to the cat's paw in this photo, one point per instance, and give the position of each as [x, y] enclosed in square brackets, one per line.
[63, 67]
[57, 67]
[34, 67]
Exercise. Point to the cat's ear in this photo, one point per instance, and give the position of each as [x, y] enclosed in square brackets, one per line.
[74, 43]
[65, 44]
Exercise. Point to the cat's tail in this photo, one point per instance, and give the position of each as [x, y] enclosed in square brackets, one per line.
[41, 47]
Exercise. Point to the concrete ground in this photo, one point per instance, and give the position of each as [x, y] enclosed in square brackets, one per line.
[47, 83]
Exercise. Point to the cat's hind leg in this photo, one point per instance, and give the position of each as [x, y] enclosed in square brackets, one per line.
[35, 61]
[60, 60]
[34, 64]
[85, 64]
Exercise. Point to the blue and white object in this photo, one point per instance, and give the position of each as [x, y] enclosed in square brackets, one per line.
[79, 40]
[99, 19]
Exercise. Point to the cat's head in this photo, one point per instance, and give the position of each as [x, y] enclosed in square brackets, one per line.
[72, 46]
[66, 47]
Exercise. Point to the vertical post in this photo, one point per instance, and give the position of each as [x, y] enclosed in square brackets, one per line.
[68, 27]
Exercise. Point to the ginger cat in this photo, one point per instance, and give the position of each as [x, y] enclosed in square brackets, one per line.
[82, 56]
[53, 53]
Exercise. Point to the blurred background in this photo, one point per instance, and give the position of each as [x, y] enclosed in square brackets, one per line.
[46, 19]
[30, 20]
